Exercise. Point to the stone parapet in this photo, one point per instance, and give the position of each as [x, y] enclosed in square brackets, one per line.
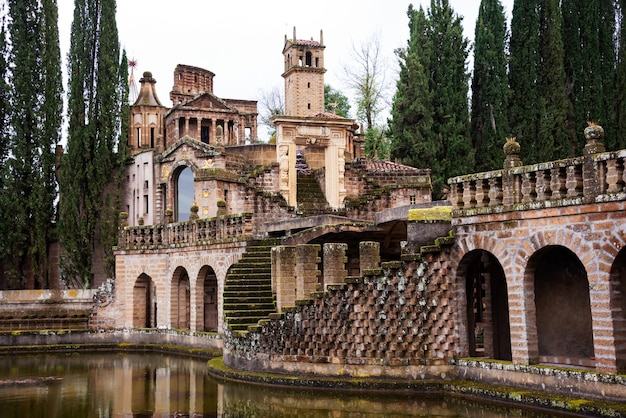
[335, 263]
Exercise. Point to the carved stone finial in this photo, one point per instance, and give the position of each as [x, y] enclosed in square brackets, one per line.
[123, 219]
[512, 150]
[594, 134]
[194, 212]
[169, 216]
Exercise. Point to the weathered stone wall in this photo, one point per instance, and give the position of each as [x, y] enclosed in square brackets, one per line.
[399, 316]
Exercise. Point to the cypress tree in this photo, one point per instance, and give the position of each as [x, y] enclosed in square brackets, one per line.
[489, 86]
[608, 44]
[524, 93]
[413, 142]
[556, 139]
[35, 125]
[87, 205]
[449, 86]
[620, 83]
[5, 197]
[582, 63]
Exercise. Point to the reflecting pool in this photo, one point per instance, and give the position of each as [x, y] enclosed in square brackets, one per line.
[155, 385]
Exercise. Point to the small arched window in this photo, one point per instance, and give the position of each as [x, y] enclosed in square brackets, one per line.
[309, 59]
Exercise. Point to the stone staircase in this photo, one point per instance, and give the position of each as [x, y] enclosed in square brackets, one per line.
[311, 199]
[248, 289]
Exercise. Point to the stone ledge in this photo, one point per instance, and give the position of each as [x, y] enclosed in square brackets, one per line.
[446, 379]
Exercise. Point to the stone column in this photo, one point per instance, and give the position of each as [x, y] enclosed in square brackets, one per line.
[284, 276]
[187, 125]
[335, 263]
[199, 129]
[307, 272]
[369, 255]
[213, 135]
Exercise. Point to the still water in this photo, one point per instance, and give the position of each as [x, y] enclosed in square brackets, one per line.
[155, 385]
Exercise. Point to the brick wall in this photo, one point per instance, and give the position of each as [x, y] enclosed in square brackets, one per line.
[400, 315]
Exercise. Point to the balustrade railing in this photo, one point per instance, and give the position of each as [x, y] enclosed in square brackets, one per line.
[590, 178]
[181, 234]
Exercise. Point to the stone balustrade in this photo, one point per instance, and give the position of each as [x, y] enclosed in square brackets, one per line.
[183, 234]
[591, 178]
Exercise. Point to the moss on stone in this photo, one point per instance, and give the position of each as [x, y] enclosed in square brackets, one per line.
[434, 214]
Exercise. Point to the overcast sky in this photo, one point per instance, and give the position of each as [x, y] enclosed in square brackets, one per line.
[241, 41]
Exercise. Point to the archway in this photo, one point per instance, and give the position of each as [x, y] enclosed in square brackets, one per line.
[206, 303]
[180, 299]
[488, 329]
[184, 194]
[144, 303]
[563, 309]
[618, 307]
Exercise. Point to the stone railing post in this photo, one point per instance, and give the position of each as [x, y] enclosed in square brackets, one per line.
[307, 272]
[512, 160]
[121, 237]
[335, 263]
[284, 276]
[591, 174]
[369, 256]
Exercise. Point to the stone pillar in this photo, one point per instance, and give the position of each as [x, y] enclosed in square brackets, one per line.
[369, 255]
[199, 129]
[591, 175]
[284, 276]
[335, 263]
[213, 134]
[509, 187]
[307, 272]
[187, 125]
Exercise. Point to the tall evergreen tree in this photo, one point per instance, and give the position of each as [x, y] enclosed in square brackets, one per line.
[489, 86]
[87, 205]
[449, 86]
[556, 139]
[411, 125]
[524, 95]
[620, 84]
[35, 125]
[608, 44]
[582, 63]
[5, 197]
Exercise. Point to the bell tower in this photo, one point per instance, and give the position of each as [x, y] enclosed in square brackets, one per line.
[304, 76]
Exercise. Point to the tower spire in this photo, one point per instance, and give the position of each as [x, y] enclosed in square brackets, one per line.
[133, 92]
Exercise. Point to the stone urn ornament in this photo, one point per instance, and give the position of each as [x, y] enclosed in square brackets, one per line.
[593, 135]
[511, 151]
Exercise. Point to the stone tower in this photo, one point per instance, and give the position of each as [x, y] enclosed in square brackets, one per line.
[304, 76]
[146, 130]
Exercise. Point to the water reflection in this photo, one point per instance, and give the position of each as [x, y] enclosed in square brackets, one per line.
[153, 385]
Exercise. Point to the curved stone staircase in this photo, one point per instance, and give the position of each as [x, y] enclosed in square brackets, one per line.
[248, 293]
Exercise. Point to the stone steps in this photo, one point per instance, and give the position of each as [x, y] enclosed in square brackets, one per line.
[248, 293]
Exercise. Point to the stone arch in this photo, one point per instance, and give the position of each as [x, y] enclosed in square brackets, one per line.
[459, 270]
[207, 300]
[482, 283]
[556, 280]
[144, 302]
[180, 306]
[617, 303]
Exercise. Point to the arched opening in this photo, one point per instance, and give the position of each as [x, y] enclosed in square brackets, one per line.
[563, 309]
[184, 194]
[488, 329]
[206, 304]
[618, 308]
[180, 300]
[309, 59]
[144, 303]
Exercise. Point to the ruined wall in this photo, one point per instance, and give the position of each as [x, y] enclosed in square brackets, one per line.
[391, 322]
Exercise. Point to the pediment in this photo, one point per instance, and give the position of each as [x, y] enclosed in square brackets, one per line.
[209, 102]
[186, 145]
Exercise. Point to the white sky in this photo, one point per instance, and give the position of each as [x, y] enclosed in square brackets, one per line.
[241, 41]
